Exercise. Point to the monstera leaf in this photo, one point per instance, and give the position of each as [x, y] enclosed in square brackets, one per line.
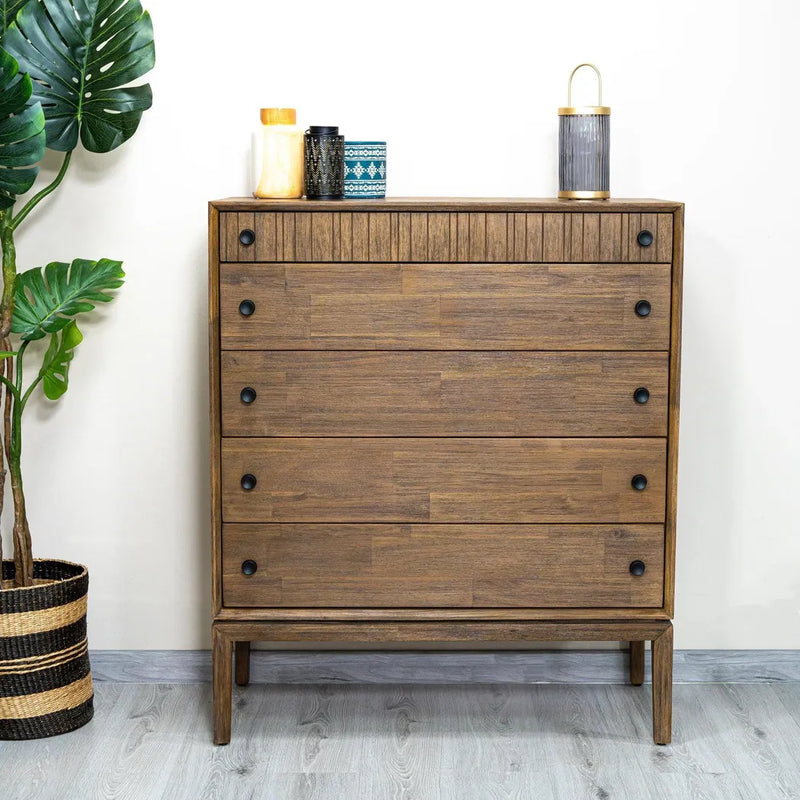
[45, 300]
[79, 53]
[55, 367]
[21, 132]
[9, 10]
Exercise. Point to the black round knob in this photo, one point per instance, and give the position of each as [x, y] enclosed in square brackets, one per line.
[639, 482]
[643, 308]
[645, 238]
[637, 568]
[247, 237]
[247, 307]
[249, 482]
[249, 567]
[641, 395]
[248, 394]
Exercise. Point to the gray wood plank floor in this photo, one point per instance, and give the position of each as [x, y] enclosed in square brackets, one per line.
[420, 741]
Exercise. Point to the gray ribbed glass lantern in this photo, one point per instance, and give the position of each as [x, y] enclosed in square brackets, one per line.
[583, 146]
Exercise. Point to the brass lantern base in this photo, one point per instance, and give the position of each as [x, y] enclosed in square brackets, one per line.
[584, 195]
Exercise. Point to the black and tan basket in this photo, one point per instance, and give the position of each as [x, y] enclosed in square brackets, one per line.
[45, 680]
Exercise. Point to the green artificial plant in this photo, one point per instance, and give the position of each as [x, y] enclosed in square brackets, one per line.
[64, 70]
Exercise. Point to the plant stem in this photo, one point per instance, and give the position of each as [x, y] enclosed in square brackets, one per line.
[7, 366]
[39, 196]
[9, 384]
[14, 402]
[9, 272]
[3, 467]
[23, 555]
[20, 353]
[7, 375]
[24, 400]
[8, 379]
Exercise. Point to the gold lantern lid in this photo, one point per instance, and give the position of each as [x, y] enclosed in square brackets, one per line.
[570, 110]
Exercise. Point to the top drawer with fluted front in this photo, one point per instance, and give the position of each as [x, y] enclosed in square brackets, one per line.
[440, 236]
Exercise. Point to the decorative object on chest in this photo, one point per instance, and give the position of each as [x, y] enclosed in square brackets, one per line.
[324, 163]
[444, 420]
[584, 142]
[365, 170]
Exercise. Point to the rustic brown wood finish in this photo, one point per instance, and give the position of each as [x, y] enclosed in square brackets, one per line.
[376, 236]
[444, 306]
[443, 480]
[428, 425]
[487, 566]
[315, 393]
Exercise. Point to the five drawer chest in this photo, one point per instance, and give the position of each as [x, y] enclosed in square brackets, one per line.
[444, 421]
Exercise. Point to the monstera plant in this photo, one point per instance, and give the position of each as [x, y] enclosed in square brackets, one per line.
[65, 73]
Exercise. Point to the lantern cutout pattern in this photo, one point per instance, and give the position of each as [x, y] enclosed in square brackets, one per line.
[583, 146]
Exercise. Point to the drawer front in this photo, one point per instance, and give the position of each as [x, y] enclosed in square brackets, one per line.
[343, 236]
[545, 566]
[443, 480]
[444, 307]
[317, 393]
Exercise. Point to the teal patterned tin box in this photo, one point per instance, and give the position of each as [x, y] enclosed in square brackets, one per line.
[365, 169]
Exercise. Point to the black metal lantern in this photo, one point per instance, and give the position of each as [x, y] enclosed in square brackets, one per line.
[324, 156]
[583, 146]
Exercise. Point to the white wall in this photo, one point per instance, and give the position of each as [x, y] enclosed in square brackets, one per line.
[466, 94]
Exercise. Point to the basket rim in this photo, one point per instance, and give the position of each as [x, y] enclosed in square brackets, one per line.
[84, 571]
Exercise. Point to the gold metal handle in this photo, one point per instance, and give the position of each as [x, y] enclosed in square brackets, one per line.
[599, 84]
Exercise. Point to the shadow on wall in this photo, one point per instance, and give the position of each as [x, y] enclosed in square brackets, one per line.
[708, 501]
[199, 453]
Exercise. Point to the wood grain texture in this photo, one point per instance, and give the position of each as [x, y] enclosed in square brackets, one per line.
[409, 761]
[637, 663]
[443, 480]
[431, 632]
[214, 416]
[445, 307]
[228, 235]
[662, 687]
[303, 245]
[553, 243]
[325, 745]
[453, 204]
[442, 565]
[764, 746]
[380, 237]
[241, 659]
[674, 411]
[443, 393]
[222, 665]
[120, 754]
[360, 245]
[438, 275]
[488, 741]
[431, 615]
[423, 236]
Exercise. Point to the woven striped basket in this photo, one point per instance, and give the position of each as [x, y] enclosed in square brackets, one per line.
[45, 681]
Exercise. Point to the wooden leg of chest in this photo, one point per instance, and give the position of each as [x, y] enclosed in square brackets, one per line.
[222, 667]
[637, 663]
[229, 634]
[662, 687]
[242, 651]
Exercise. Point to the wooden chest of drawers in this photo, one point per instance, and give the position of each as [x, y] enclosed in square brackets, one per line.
[444, 421]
